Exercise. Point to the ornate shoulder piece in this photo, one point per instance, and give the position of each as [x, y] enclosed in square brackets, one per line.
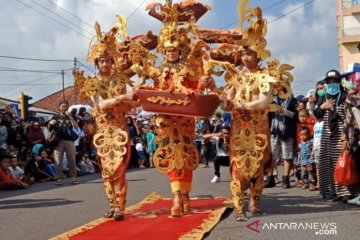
[85, 86]
[280, 72]
[122, 78]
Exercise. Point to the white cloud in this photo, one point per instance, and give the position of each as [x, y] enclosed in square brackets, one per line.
[305, 38]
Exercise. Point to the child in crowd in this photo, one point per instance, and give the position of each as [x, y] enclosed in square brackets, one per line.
[151, 146]
[7, 181]
[318, 127]
[16, 171]
[86, 165]
[305, 120]
[311, 100]
[305, 161]
[141, 152]
[46, 165]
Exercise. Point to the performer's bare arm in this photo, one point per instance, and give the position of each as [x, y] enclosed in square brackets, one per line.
[226, 100]
[261, 103]
[109, 103]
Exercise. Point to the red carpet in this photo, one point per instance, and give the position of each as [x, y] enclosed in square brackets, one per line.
[150, 219]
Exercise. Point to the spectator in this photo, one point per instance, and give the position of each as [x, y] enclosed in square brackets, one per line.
[30, 168]
[7, 181]
[206, 146]
[283, 134]
[3, 132]
[222, 140]
[331, 108]
[45, 164]
[198, 135]
[133, 133]
[304, 159]
[42, 125]
[15, 132]
[79, 144]
[305, 120]
[16, 171]
[63, 124]
[318, 127]
[141, 152]
[86, 165]
[8, 115]
[311, 100]
[351, 133]
[217, 123]
[151, 146]
[226, 116]
[35, 135]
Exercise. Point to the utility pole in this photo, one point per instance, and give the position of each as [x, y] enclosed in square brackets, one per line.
[63, 83]
[75, 63]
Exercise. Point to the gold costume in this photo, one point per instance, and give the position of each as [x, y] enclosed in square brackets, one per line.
[111, 138]
[177, 155]
[250, 147]
[250, 97]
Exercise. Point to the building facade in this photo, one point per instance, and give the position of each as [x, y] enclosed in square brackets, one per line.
[348, 20]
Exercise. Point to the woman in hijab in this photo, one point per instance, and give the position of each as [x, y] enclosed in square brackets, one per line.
[330, 107]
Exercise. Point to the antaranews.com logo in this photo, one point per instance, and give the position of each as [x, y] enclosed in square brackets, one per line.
[319, 228]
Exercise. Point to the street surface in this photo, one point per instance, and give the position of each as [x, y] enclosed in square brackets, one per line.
[44, 211]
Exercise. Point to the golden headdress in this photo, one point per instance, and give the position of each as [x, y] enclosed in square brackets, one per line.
[107, 43]
[254, 33]
[179, 24]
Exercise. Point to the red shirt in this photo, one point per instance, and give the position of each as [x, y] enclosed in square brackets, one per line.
[6, 179]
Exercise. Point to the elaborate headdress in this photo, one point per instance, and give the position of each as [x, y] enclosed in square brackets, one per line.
[254, 33]
[179, 23]
[107, 43]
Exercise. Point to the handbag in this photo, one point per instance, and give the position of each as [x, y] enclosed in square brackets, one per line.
[53, 138]
[345, 169]
[71, 133]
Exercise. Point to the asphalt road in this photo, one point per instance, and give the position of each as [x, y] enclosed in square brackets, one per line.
[44, 211]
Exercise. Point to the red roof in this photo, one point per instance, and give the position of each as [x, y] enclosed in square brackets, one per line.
[51, 102]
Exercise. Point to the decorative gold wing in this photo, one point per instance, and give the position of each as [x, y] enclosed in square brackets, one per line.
[199, 54]
[85, 86]
[283, 78]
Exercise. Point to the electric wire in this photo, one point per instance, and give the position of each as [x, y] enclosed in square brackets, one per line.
[29, 6]
[51, 11]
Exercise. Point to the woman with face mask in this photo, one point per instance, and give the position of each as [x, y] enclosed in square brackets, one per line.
[330, 107]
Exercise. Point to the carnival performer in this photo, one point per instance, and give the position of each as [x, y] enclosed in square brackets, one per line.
[107, 91]
[180, 72]
[250, 91]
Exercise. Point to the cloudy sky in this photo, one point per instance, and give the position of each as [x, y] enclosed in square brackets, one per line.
[300, 32]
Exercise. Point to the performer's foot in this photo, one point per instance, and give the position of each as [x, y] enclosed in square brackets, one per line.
[255, 210]
[118, 215]
[109, 214]
[176, 209]
[186, 203]
[240, 215]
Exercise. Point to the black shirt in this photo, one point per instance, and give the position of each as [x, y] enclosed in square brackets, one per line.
[62, 125]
